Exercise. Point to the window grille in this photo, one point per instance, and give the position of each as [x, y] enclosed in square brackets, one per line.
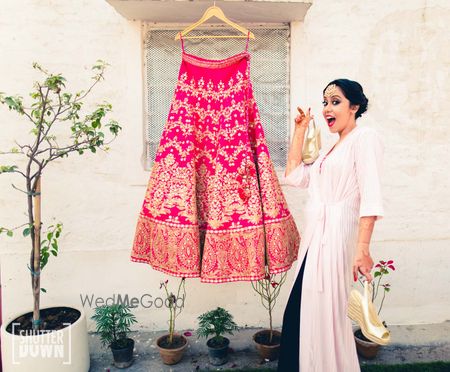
[269, 71]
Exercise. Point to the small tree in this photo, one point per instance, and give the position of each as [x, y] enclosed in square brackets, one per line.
[50, 107]
[171, 303]
[268, 289]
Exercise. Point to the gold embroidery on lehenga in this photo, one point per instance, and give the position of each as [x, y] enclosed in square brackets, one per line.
[220, 262]
[213, 207]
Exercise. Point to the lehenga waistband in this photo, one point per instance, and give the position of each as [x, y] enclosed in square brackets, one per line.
[214, 63]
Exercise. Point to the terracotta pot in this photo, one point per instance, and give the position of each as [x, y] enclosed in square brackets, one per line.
[366, 348]
[123, 355]
[269, 352]
[65, 350]
[168, 355]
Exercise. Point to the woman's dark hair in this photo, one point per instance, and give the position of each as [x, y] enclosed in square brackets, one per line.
[353, 91]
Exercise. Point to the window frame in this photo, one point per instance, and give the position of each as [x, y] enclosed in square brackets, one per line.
[147, 157]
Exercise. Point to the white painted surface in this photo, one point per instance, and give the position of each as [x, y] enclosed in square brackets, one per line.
[397, 50]
[186, 11]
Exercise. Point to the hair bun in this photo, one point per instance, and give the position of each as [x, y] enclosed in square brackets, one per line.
[362, 106]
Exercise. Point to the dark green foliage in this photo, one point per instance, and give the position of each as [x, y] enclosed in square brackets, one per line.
[216, 322]
[416, 367]
[113, 323]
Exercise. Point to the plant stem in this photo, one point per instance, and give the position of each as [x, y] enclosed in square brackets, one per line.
[171, 324]
[36, 274]
[382, 300]
[375, 294]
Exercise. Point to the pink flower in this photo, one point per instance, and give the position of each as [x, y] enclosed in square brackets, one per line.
[377, 265]
[274, 284]
[390, 262]
[161, 284]
[187, 334]
[391, 267]
[383, 262]
[267, 277]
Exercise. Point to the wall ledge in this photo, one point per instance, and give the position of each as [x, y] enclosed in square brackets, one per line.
[186, 11]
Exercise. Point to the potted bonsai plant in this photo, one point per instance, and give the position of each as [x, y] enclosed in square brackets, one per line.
[172, 345]
[112, 324]
[216, 322]
[268, 340]
[366, 348]
[58, 128]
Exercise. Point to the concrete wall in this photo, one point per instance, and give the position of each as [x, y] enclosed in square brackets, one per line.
[397, 50]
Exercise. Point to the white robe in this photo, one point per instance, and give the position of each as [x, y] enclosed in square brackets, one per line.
[345, 188]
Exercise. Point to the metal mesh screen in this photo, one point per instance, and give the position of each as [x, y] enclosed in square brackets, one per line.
[269, 73]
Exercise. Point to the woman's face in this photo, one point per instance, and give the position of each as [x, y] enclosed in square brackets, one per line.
[337, 110]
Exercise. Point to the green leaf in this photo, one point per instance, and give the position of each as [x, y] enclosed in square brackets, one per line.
[8, 168]
[9, 233]
[14, 103]
[26, 232]
[377, 273]
[44, 290]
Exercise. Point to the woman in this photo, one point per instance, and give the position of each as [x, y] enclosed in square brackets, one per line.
[344, 203]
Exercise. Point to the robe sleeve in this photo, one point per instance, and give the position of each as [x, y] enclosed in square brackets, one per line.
[299, 177]
[368, 162]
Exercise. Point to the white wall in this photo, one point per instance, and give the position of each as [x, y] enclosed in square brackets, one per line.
[397, 50]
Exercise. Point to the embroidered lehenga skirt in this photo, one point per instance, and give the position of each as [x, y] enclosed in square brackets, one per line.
[214, 208]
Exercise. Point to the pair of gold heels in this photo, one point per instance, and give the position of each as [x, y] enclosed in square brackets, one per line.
[362, 311]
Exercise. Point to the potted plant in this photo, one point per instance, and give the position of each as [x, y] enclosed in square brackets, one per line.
[172, 345]
[217, 322]
[268, 340]
[365, 347]
[112, 324]
[58, 128]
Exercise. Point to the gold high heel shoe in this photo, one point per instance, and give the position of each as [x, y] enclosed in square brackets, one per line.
[312, 144]
[362, 311]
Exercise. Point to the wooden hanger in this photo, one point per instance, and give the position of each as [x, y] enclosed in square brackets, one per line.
[214, 11]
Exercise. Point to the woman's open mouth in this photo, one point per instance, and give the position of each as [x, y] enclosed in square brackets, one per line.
[330, 121]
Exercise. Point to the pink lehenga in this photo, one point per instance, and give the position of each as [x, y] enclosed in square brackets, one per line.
[214, 208]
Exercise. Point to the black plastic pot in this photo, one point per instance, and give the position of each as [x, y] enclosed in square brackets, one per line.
[218, 354]
[123, 355]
